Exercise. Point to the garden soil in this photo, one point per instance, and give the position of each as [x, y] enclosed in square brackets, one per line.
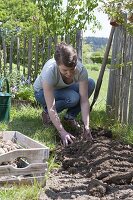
[98, 170]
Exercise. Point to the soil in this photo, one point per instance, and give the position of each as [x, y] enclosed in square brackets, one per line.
[98, 170]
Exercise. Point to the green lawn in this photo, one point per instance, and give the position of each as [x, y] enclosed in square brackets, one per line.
[20, 192]
[101, 101]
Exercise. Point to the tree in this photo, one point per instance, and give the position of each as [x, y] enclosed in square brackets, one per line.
[18, 16]
[118, 10]
[48, 17]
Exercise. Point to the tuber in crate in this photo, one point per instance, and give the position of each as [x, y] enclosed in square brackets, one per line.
[22, 159]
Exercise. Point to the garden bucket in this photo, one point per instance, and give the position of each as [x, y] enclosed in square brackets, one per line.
[5, 101]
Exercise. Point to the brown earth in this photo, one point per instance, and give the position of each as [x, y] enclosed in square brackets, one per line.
[98, 170]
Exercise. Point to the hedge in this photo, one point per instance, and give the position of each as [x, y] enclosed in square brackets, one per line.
[99, 59]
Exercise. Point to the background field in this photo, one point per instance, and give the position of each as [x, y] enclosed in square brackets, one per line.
[101, 101]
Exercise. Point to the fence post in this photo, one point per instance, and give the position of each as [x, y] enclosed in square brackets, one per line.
[130, 113]
[11, 54]
[29, 56]
[18, 54]
[24, 54]
[43, 51]
[36, 56]
[79, 37]
[62, 38]
[0, 60]
[4, 54]
[67, 39]
[49, 47]
[55, 40]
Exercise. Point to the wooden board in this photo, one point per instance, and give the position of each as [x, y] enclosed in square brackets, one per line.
[31, 155]
[33, 169]
[22, 139]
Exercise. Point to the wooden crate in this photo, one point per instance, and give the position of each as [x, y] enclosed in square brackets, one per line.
[33, 156]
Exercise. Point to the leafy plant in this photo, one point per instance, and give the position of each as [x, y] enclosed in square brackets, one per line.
[25, 93]
[118, 10]
[49, 17]
[99, 59]
[21, 87]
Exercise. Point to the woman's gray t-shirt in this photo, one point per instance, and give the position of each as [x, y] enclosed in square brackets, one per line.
[51, 74]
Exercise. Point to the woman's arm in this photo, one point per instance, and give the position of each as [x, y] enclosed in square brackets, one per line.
[85, 107]
[50, 102]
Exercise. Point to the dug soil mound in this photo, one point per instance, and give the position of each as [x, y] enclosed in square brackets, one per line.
[98, 170]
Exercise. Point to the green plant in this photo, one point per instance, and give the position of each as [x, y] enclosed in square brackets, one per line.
[99, 59]
[118, 10]
[22, 192]
[25, 93]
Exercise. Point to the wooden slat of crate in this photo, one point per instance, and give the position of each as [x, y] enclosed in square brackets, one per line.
[35, 168]
[22, 139]
[31, 155]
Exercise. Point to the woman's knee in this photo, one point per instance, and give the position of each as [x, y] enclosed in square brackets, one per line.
[39, 96]
[73, 99]
[91, 86]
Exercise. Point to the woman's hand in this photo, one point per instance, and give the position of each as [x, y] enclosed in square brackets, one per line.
[87, 134]
[66, 138]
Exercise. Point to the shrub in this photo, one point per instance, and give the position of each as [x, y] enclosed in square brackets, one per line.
[21, 88]
[99, 59]
[25, 93]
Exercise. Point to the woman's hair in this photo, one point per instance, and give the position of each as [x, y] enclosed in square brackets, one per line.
[65, 54]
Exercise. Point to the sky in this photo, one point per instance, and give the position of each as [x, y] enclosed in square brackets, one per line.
[106, 27]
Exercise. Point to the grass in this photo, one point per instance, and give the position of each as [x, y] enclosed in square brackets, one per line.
[101, 101]
[93, 66]
[27, 120]
[23, 192]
